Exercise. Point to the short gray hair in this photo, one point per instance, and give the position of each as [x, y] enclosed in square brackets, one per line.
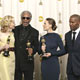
[26, 12]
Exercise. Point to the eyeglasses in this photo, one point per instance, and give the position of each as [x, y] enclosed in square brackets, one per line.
[26, 18]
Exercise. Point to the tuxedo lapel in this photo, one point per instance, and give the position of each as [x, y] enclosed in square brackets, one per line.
[78, 37]
[70, 37]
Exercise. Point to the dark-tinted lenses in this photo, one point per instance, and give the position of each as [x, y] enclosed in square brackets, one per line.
[26, 18]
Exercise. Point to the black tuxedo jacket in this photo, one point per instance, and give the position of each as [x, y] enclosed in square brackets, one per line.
[74, 53]
[21, 53]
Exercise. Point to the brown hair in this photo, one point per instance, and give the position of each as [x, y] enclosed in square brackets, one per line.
[52, 22]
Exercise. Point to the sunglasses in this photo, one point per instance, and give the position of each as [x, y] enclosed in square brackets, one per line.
[26, 18]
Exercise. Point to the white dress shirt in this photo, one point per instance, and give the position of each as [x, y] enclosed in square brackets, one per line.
[77, 32]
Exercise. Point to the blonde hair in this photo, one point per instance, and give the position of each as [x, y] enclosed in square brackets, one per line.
[5, 22]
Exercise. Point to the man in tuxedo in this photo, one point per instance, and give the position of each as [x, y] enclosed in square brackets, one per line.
[72, 46]
[26, 43]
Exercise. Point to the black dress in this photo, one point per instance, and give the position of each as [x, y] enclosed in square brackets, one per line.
[50, 66]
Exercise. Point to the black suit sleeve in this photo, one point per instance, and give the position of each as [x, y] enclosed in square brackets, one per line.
[66, 49]
[35, 42]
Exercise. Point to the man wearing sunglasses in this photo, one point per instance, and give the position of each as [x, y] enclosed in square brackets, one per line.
[25, 33]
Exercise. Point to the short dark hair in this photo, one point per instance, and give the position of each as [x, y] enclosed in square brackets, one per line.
[26, 12]
[76, 16]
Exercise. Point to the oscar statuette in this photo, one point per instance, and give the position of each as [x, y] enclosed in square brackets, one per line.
[43, 44]
[6, 51]
[30, 57]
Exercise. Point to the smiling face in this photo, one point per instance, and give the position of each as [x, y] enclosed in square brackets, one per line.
[26, 18]
[7, 23]
[12, 25]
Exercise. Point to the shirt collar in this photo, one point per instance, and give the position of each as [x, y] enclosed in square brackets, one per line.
[77, 30]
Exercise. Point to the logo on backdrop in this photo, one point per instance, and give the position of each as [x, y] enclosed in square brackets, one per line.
[21, 1]
[40, 18]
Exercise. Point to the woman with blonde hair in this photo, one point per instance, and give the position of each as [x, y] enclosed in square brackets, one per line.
[7, 57]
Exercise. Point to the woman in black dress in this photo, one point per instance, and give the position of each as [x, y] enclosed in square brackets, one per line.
[50, 48]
